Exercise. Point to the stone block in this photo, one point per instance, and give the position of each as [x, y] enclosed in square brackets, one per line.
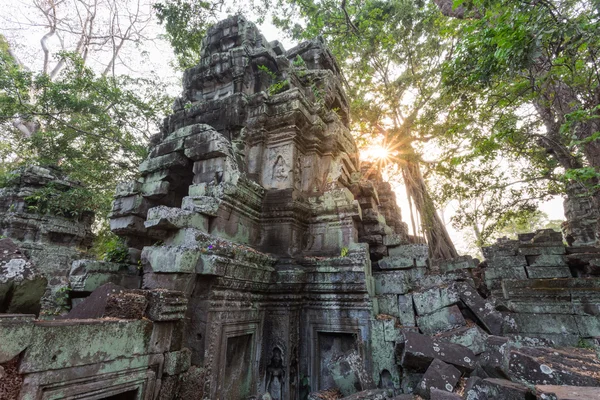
[170, 218]
[556, 392]
[587, 325]
[507, 262]
[125, 305]
[439, 375]
[550, 366]
[541, 249]
[548, 272]
[543, 323]
[388, 304]
[130, 205]
[502, 248]
[493, 276]
[434, 299]
[155, 190]
[128, 225]
[492, 389]
[419, 252]
[129, 188]
[393, 240]
[168, 161]
[206, 205]
[495, 359]
[471, 337]
[483, 309]
[442, 320]
[177, 362]
[392, 282]
[458, 263]
[406, 311]
[166, 305]
[547, 260]
[417, 351]
[390, 263]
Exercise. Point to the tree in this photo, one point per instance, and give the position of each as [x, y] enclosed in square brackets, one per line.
[391, 53]
[71, 107]
[540, 59]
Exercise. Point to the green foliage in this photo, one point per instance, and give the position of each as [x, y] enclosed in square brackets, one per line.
[95, 127]
[116, 251]
[63, 201]
[344, 252]
[277, 85]
[8, 177]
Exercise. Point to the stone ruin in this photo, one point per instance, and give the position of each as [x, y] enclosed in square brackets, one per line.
[265, 262]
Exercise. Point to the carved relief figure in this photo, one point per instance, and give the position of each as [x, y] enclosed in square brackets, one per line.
[280, 172]
[275, 375]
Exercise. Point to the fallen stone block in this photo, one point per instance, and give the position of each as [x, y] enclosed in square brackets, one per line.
[417, 351]
[555, 392]
[495, 389]
[542, 323]
[434, 299]
[494, 360]
[443, 320]
[494, 276]
[472, 337]
[548, 366]
[484, 310]
[458, 263]
[439, 375]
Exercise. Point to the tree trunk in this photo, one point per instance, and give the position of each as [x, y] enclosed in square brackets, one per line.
[440, 244]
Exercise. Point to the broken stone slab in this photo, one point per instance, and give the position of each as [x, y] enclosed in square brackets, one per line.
[417, 351]
[483, 309]
[439, 375]
[442, 320]
[548, 272]
[95, 305]
[349, 374]
[551, 366]
[433, 299]
[556, 392]
[16, 331]
[492, 389]
[472, 337]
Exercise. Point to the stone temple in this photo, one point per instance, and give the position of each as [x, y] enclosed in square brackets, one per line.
[266, 262]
